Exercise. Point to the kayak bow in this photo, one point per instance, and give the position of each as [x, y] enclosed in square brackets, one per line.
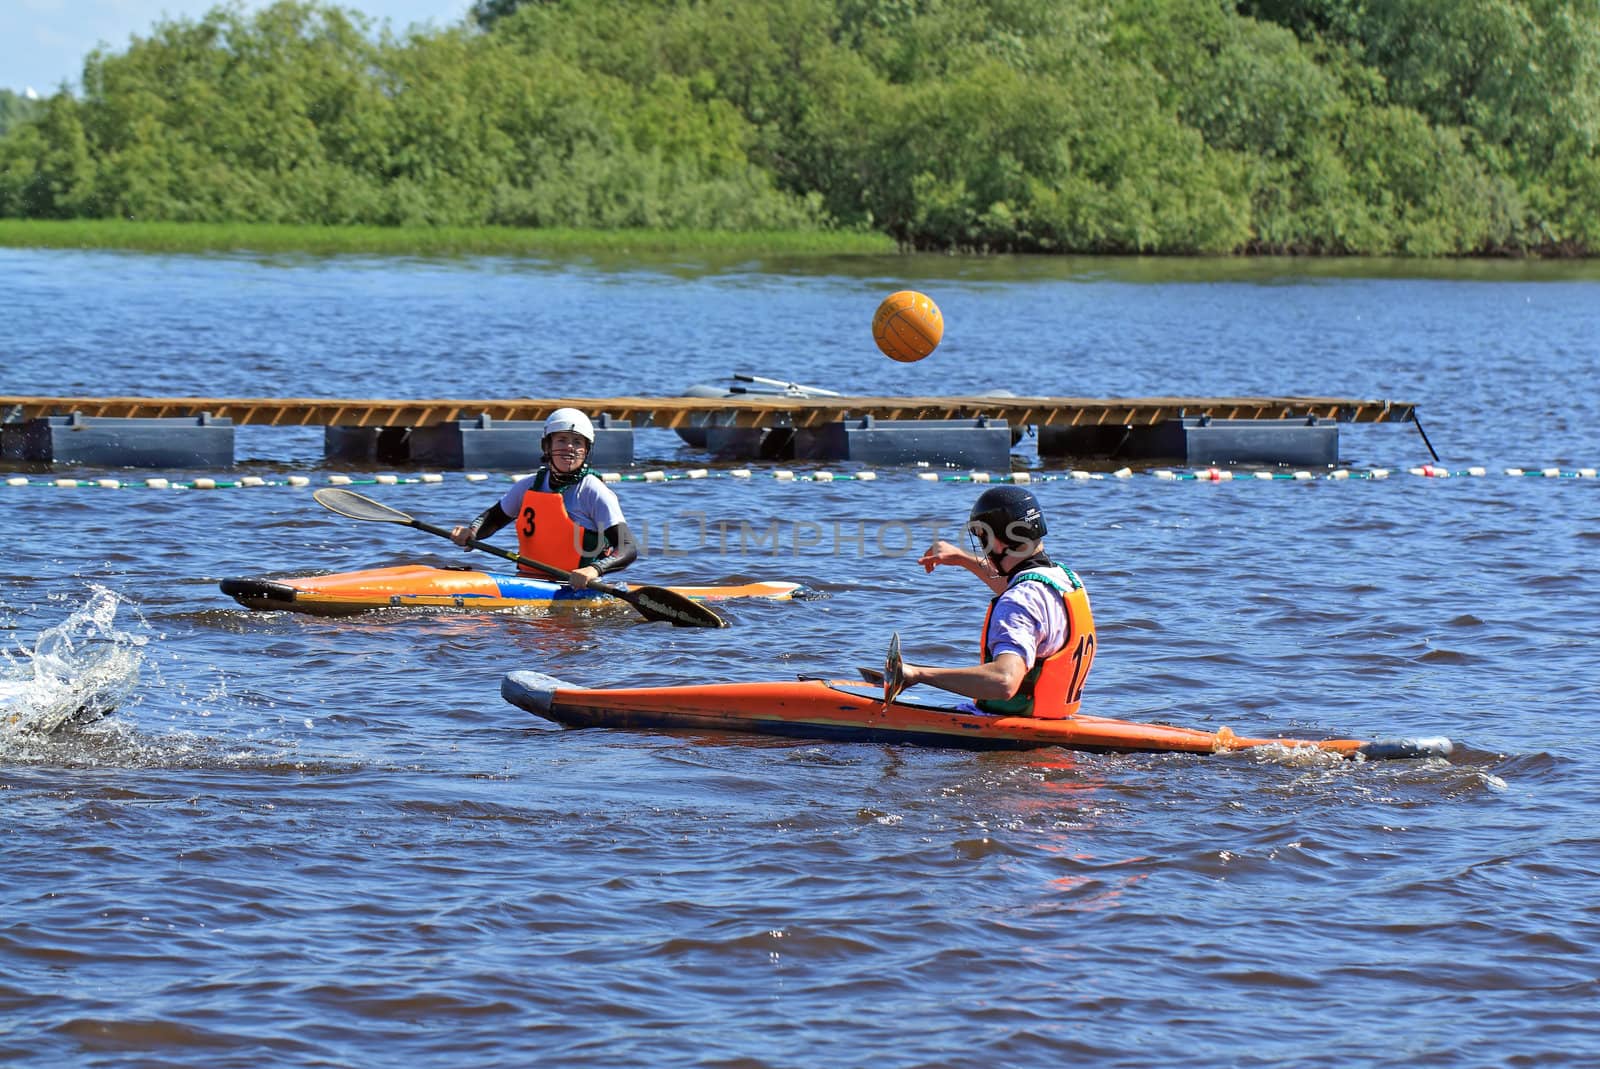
[855, 712]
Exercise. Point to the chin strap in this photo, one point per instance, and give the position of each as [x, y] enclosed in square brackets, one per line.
[558, 481]
[555, 479]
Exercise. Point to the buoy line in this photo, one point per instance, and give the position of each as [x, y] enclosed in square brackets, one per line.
[1202, 475]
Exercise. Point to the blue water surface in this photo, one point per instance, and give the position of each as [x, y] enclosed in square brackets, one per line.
[327, 841]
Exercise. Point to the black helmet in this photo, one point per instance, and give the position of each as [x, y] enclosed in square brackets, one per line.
[1010, 514]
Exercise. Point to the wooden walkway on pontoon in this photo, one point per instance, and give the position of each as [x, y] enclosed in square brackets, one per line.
[747, 411]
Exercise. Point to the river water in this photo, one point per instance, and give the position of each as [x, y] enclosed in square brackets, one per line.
[316, 841]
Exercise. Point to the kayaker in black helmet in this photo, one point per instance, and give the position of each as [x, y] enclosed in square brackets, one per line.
[566, 515]
[1038, 637]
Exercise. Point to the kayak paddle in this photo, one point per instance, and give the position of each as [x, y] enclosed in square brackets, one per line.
[894, 675]
[654, 602]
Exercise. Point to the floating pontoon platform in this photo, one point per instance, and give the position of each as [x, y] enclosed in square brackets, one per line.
[504, 433]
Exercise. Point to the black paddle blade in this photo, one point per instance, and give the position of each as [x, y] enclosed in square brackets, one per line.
[658, 603]
[351, 504]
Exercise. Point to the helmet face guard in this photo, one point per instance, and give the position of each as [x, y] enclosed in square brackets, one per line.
[549, 453]
[1005, 520]
[571, 421]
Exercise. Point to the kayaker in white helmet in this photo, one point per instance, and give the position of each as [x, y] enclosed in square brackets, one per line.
[1038, 636]
[566, 515]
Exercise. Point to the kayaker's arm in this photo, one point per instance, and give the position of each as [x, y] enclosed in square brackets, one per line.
[624, 552]
[996, 680]
[954, 556]
[488, 522]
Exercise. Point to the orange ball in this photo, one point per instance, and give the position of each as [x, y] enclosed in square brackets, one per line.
[907, 326]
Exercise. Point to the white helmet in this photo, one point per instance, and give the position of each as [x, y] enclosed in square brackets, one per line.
[569, 419]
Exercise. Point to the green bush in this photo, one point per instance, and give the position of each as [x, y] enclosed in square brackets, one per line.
[1417, 127]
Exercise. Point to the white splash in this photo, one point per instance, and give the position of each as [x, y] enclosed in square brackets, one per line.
[77, 671]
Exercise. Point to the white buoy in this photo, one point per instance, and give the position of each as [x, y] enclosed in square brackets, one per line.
[157, 484]
[866, 476]
[299, 480]
[340, 480]
[432, 477]
[928, 476]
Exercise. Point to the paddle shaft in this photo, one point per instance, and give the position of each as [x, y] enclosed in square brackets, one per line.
[527, 562]
[472, 543]
[654, 602]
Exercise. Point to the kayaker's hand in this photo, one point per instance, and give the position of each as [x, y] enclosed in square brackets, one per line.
[461, 536]
[582, 577]
[905, 676]
[944, 553]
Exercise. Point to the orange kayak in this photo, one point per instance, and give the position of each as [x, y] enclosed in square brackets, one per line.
[422, 586]
[848, 711]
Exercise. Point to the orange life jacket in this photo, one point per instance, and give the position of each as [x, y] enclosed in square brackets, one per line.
[1054, 685]
[546, 533]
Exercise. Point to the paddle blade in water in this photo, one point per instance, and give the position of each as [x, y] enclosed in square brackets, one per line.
[660, 604]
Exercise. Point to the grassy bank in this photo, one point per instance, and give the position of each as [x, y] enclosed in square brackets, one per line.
[421, 241]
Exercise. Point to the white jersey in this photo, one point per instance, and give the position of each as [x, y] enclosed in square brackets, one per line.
[590, 503]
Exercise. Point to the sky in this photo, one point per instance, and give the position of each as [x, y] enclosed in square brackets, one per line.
[43, 43]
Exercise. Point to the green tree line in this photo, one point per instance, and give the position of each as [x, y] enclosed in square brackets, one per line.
[14, 108]
[1376, 127]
